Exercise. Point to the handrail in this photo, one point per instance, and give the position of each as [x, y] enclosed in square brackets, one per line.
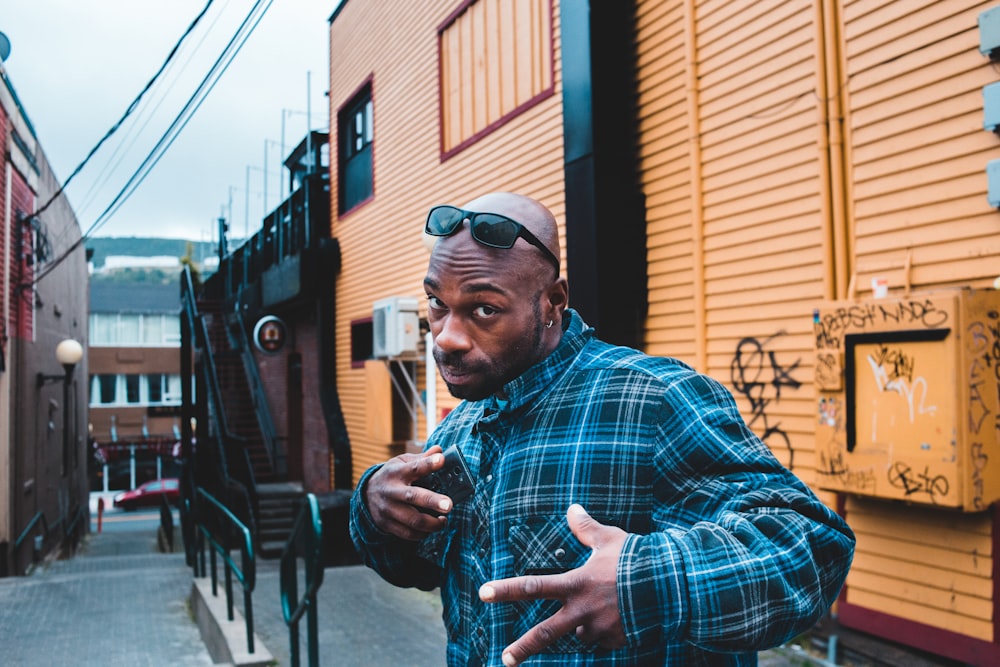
[246, 573]
[38, 518]
[265, 423]
[306, 542]
[217, 413]
[73, 525]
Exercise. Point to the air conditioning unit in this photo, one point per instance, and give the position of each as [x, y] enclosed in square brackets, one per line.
[395, 327]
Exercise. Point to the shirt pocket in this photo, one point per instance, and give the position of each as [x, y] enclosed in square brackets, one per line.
[540, 546]
[545, 545]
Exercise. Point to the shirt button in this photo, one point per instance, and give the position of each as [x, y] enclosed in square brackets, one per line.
[559, 553]
[482, 552]
[489, 478]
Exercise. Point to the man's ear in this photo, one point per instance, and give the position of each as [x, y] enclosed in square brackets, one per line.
[557, 296]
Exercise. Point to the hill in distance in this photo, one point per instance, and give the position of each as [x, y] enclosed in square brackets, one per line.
[135, 246]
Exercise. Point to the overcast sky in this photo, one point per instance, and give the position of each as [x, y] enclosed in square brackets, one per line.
[77, 66]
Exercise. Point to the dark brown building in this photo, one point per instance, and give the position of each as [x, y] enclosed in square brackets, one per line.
[43, 302]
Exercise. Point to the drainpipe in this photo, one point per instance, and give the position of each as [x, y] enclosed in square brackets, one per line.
[697, 203]
[824, 158]
[836, 88]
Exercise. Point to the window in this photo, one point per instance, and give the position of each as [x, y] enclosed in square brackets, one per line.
[155, 381]
[106, 388]
[356, 136]
[496, 61]
[362, 346]
[150, 389]
[135, 330]
[132, 388]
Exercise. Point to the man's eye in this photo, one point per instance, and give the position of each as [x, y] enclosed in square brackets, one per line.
[434, 302]
[485, 311]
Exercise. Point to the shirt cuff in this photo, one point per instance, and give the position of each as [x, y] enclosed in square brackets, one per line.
[364, 531]
[652, 590]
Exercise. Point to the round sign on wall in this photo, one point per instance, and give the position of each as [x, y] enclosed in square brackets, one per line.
[269, 334]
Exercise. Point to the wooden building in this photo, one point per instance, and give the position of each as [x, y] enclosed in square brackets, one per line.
[729, 177]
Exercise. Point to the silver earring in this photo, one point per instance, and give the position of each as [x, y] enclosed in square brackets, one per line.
[549, 325]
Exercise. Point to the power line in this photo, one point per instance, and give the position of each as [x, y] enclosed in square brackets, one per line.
[128, 111]
[221, 64]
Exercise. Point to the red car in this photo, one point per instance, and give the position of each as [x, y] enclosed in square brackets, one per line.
[150, 494]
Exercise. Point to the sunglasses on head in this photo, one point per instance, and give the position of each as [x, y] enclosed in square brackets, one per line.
[490, 229]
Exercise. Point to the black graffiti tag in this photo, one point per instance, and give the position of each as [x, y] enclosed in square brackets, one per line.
[752, 371]
[832, 326]
[901, 476]
[832, 464]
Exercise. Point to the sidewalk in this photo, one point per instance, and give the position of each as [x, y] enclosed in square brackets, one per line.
[121, 603]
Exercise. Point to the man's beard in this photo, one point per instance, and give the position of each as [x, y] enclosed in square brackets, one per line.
[494, 373]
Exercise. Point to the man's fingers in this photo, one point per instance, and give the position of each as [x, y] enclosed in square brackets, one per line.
[424, 464]
[588, 530]
[530, 587]
[538, 638]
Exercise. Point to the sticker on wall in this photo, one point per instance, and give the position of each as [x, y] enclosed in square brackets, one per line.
[269, 334]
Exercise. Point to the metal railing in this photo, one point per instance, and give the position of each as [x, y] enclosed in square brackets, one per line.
[305, 543]
[216, 526]
[38, 519]
[226, 443]
[75, 529]
[239, 341]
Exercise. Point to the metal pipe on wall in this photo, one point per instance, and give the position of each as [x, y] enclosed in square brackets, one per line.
[695, 175]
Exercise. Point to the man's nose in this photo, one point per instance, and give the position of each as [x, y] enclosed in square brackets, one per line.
[451, 335]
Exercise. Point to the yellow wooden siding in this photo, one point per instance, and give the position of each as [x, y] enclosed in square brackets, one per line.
[915, 79]
[925, 565]
[918, 153]
[495, 56]
[731, 159]
[756, 184]
[664, 153]
[382, 241]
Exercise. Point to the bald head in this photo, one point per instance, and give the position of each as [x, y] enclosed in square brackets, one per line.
[529, 212]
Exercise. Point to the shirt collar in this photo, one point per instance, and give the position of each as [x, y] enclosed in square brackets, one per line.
[523, 389]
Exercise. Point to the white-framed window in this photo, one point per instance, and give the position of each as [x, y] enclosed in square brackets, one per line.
[135, 330]
[135, 389]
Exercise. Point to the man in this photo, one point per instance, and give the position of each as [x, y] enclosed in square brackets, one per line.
[623, 513]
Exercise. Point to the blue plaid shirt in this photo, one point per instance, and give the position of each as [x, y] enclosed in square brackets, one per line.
[728, 552]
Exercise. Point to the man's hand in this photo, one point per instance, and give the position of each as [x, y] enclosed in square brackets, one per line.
[395, 504]
[589, 594]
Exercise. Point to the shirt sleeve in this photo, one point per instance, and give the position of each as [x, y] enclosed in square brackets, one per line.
[743, 555]
[396, 560]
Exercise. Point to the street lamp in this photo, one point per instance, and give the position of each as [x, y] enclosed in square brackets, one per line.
[68, 353]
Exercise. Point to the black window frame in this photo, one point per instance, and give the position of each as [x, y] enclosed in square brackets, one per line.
[356, 140]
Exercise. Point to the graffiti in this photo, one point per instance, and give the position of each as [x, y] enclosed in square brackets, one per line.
[831, 464]
[830, 413]
[753, 371]
[901, 476]
[832, 326]
[978, 410]
[827, 371]
[891, 380]
[895, 364]
[983, 344]
[978, 458]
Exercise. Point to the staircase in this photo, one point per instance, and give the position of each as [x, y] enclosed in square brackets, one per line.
[278, 506]
[277, 501]
[237, 399]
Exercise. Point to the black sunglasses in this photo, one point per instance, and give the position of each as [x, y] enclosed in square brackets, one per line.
[490, 229]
